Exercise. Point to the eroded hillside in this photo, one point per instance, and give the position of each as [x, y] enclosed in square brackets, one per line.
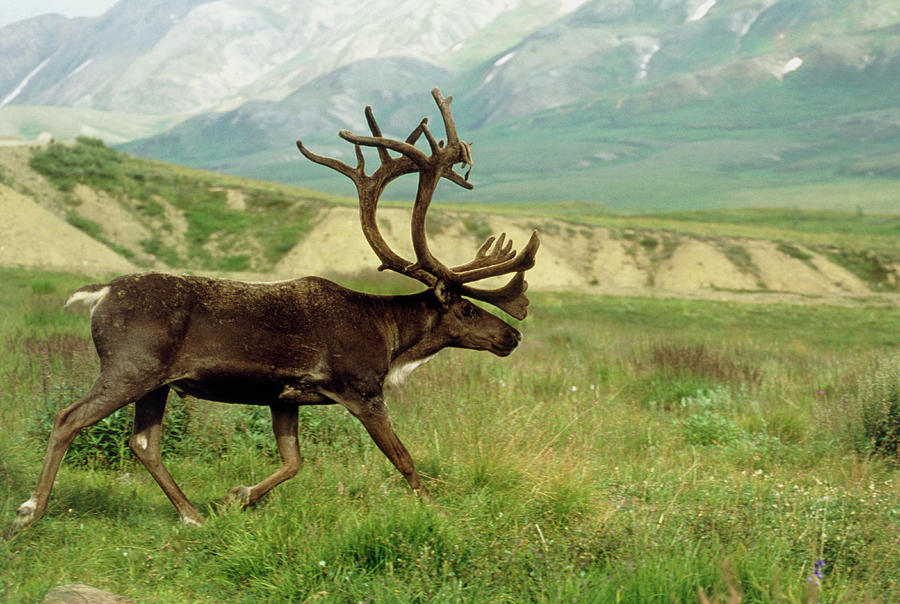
[85, 207]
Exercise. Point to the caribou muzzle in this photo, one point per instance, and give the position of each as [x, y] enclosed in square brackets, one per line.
[503, 345]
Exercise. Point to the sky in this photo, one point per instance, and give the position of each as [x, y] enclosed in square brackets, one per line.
[16, 10]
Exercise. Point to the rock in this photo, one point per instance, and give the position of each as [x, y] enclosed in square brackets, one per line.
[79, 593]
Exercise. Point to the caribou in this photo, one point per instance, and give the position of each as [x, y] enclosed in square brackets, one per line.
[307, 341]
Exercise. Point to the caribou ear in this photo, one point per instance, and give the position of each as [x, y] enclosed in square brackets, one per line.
[442, 293]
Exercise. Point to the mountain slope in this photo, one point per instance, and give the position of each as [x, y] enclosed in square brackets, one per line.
[187, 56]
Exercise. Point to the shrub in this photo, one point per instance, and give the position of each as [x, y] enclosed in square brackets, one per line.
[90, 228]
[105, 444]
[709, 428]
[864, 412]
[671, 372]
[706, 425]
[88, 161]
[160, 250]
[235, 263]
[880, 405]
[867, 266]
[794, 252]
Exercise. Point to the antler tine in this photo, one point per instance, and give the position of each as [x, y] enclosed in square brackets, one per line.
[382, 143]
[482, 258]
[334, 164]
[443, 104]
[510, 298]
[376, 131]
[417, 132]
[503, 263]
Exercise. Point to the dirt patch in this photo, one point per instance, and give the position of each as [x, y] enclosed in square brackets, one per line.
[15, 162]
[697, 265]
[234, 199]
[838, 275]
[611, 264]
[118, 224]
[560, 264]
[31, 236]
[802, 272]
[336, 244]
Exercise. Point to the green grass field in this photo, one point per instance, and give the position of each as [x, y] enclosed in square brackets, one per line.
[633, 450]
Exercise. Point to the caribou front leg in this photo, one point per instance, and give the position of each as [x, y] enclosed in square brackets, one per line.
[284, 424]
[373, 414]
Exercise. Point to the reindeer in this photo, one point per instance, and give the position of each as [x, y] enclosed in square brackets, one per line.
[307, 341]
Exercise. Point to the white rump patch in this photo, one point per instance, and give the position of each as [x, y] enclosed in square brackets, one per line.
[401, 371]
[89, 298]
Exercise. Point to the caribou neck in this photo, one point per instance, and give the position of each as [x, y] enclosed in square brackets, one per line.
[410, 329]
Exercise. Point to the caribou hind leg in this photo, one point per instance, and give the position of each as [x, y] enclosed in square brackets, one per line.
[284, 424]
[144, 442]
[102, 399]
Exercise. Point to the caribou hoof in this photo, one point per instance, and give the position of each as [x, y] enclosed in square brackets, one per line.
[240, 495]
[424, 496]
[25, 515]
[192, 521]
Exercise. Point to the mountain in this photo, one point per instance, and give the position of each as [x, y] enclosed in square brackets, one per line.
[639, 104]
[188, 56]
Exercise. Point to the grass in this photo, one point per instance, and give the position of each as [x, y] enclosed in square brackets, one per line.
[633, 450]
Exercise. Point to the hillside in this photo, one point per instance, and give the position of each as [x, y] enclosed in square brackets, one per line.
[87, 208]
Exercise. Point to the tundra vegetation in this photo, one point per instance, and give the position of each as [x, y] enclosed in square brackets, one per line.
[633, 449]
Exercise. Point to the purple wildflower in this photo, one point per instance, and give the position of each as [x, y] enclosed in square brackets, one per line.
[818, 568]
[817, 575]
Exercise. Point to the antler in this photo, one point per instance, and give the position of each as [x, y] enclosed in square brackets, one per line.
[495, 257]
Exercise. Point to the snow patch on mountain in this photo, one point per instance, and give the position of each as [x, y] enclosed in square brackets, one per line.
[18, 89]
[792, 65]
[701, 10]
[646, 56]
[78, 69]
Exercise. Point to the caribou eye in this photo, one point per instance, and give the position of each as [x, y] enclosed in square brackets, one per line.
[468, 311]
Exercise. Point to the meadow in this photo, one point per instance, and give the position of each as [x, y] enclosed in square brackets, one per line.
[633, 450]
